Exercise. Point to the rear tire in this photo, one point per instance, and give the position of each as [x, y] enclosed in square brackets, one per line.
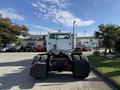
[39, 69]
[81, 67]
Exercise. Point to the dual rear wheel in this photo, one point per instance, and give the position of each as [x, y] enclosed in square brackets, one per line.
[80, 68]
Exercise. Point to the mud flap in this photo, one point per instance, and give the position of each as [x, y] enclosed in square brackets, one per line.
[39, 70]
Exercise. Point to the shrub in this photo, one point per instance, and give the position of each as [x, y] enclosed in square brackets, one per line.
[96, 53]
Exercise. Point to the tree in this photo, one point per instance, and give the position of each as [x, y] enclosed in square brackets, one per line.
[109, 34]
[117, 42]
[9, 31]
[24, 30]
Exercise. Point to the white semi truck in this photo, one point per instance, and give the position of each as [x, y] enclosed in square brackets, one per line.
[59, 41]
[60, 56]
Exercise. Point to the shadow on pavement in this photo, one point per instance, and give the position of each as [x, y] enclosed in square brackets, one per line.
[20, 78]
[23, 80]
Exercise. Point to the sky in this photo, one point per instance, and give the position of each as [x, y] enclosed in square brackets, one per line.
[43, 16]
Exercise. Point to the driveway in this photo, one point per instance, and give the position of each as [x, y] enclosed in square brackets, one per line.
[14, 75]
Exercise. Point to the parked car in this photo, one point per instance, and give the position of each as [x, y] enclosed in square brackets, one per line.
[4, 49]
[40, 48]
[17, 48]
[0, 49]
[27, 48]
[11, 49]
[78, 49]
[82, 49]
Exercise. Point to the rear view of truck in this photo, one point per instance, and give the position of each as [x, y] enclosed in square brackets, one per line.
[59, 57]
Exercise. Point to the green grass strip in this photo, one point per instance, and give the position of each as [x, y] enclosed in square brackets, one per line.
[108, 66]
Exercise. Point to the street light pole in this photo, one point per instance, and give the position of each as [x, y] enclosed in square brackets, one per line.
[85, 33]
[74, 34]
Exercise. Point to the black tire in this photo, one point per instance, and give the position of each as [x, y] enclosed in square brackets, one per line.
[39, 70]
[81, 67]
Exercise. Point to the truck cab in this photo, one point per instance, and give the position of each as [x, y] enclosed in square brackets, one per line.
[59, 41]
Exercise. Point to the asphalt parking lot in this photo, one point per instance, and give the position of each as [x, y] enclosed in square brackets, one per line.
[14, 75]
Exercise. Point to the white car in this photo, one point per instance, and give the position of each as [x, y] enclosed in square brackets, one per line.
[4, 49]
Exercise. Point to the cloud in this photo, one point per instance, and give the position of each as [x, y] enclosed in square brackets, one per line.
[10, 13]
[66, 18]
[57, 12]
[43, 30]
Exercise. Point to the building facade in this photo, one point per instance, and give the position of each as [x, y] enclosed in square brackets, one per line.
[88, 41]
[35, 40]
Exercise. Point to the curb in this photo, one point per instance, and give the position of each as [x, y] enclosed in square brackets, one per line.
[113, 83]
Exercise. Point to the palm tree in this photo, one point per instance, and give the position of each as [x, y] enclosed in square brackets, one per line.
[108, 33]
[117, 41]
